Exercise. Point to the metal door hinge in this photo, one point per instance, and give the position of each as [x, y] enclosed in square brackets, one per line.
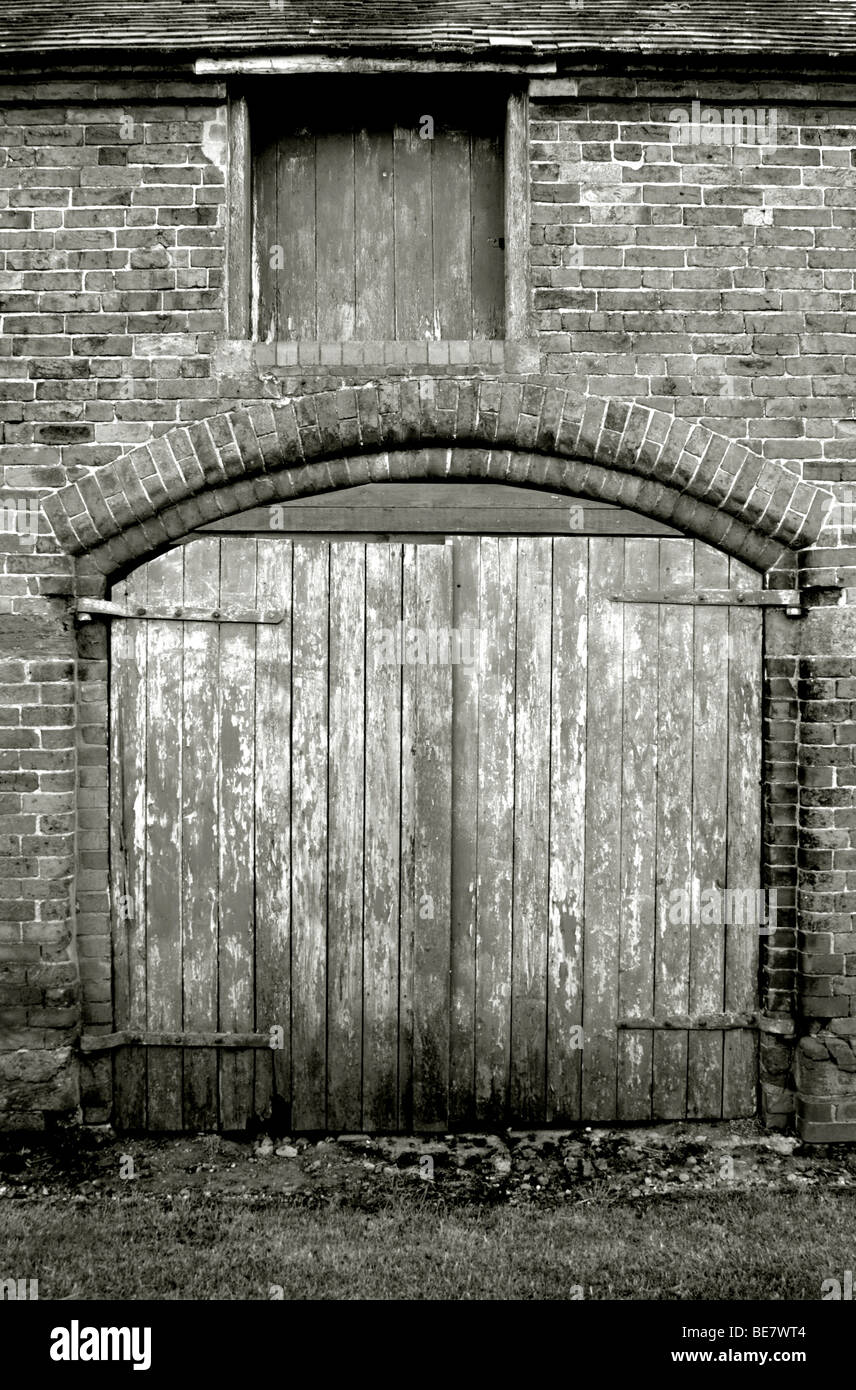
[792, 600]
[106, 1042]
[85, 609]
[702, 1023]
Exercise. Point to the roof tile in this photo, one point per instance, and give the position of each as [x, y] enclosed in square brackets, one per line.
[489, 27]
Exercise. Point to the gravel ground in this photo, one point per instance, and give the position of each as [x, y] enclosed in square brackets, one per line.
[516, 1167]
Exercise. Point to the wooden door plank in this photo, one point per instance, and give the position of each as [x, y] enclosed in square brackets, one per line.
[742, 938]
[441, 507]
[437, 516]
[567, 828]
[710, 734]
[382, 840]
[495, 842]
[465, 735]
[488, 272]
[603, 834]
[638, 834]
[200, 825]
[452, 235]
[374, 236]
[409, 905]
[531, 831]
[236, 831]
[309, 834]
[414, 269]
[273, 827]
[433, 840]
[268, 307]
[296, 236]
[163, 856]
[674, 829]
[346, 805]
[128, 741]
[335, 266]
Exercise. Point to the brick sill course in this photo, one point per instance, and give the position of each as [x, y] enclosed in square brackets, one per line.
[513, 355]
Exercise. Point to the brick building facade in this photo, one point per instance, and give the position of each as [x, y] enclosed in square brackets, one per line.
[679, 316]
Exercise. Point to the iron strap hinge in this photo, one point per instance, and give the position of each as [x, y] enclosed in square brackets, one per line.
[792, 600]
[88, 608]
[106, 1042]
[702, 1023]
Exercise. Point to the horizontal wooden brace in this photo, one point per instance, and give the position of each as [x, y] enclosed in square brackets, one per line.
[106, 1042]
[88, 608]
[791, 599]
[703, 1023]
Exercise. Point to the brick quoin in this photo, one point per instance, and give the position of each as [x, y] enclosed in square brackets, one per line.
[689, 356]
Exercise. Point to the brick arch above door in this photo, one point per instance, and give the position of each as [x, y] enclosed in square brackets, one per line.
[499, 428]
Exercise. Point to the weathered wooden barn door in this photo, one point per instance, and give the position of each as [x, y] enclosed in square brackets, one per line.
[434, 828]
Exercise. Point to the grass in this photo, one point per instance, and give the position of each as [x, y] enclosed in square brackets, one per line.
[749, 1245]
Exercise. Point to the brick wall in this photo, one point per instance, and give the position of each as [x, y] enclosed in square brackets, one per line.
[712, 284]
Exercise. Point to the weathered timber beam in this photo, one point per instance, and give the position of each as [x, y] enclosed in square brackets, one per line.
[318, 62]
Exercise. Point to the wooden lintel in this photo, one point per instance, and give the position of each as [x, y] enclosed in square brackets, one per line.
[283, 65]
[705, 1023]
[107, 1042]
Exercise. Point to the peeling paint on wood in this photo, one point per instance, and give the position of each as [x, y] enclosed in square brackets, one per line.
[446, 887]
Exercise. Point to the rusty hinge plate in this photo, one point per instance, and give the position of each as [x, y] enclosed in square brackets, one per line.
[789, 599]
[701, 1023]
[105, 1042]
[88, 608]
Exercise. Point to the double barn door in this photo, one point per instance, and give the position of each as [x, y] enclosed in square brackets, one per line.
[429, 829]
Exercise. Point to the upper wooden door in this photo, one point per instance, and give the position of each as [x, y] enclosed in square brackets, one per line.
[450, 881]
[379, 210]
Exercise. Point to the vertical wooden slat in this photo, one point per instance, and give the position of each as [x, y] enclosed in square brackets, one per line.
[374, 236]
[710, 751]
[382, 847]
[531, 830]
[236, 830]
[335, 266]
[408, 902]
[567, 827]
[200, 820]
[638, 834]
[495, 843]
[739, 1083]
[268, 274]
[674, 828]
[488, 227]
[414, 269]
[517, 219]
[296, 226]
[603, 829]
[128, 848]
[345, 835]
[239, 255]
[452, 233]
[433, 841]
[310, 598]
[163, 857]
[465, 733]
[273, 825]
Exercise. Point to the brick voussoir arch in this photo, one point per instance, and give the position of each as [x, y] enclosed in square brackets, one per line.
[514, 429]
